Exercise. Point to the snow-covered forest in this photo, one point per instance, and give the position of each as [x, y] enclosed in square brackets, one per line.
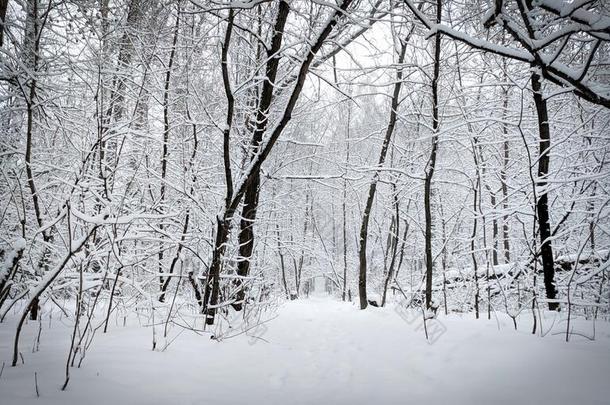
[304, 201]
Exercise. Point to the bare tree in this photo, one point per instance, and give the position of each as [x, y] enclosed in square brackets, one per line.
[382, 156]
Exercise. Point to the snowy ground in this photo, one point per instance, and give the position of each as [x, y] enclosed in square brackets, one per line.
[319, 351]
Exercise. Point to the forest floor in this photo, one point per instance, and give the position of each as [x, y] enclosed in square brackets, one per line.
[320, 351]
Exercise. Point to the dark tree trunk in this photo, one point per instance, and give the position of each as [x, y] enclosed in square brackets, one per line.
[373, 185]
[248, 214]
[3, 7]
[344, 210]
[472, 242]
[542, 204]
[282, 263]
[212, 285]
[393, 246]
[432, 161]
[165, 151]
[495, 231]
[308, 217]
[344, 203]
[503, 179]
[32, 52]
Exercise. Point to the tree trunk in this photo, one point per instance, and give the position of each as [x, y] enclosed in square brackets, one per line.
[344, 209]
[3, 7]
[394, 232]
[248, 214]
[373, 186]
[282, 263]
[475, 266]
[542, 204]
[165, 150]
[432, 161]
[494, 229]
[503, 177]
[31, 44]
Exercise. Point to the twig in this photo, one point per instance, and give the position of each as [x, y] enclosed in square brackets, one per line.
[36, 384]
